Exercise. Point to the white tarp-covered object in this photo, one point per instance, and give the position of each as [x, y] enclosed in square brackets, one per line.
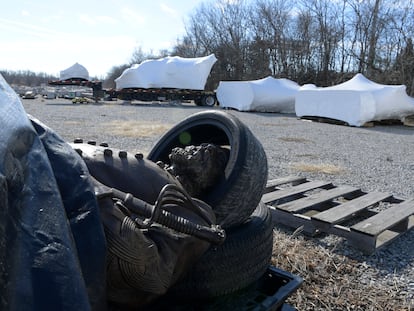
[168, 72]
[355, 102]
[264, 95]
[75, 71]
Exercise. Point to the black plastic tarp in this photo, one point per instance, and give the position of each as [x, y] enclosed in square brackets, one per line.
[52, 243]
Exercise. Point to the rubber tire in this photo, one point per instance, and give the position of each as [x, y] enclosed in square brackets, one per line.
[241, 260]
[236, 195]
[208, 100]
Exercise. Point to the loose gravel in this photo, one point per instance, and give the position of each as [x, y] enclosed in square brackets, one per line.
[378, 158]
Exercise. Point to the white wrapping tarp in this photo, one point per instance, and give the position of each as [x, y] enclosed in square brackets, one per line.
[356, 102]
[75, 71]
[168, 72]
[264, 95]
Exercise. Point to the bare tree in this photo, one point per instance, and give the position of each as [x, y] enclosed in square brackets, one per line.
[222, 29]
[373, 38]
[270, 24]
[368, 21]
[113, 73]
[26, 77]
[309, 41]
[326, 35]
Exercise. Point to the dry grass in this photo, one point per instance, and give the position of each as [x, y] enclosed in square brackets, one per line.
[294, 139]
[331, 281]
[72, 123]
[136, 128]
[318, 168]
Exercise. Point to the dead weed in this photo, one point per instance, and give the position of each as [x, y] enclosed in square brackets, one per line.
[136, 128]
[331, 280]
[294, 139]
[318, 168]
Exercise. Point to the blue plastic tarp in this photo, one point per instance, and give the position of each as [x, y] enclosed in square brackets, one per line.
[52, 243]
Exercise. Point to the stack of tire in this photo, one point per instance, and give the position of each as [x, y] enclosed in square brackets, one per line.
[246, 253]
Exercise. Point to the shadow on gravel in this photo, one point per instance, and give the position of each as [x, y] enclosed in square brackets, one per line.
[167, 105]
[276, 115]
[393, 129]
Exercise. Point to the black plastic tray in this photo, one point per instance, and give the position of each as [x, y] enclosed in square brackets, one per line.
[268, 293]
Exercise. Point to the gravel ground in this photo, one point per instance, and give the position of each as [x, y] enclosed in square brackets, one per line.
[377, 158]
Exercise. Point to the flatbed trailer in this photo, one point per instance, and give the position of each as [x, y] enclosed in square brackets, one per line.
[200, 97]
[96, 86]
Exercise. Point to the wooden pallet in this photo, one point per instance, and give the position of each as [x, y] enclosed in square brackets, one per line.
[368, 221]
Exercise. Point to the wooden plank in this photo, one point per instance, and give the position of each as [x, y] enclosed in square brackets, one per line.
[284, 180]
[293, 220]
[385, 219]
[279, 194]
[409, 120]
[298, 210]
[368, 244]
[343, 211]
[315, 199]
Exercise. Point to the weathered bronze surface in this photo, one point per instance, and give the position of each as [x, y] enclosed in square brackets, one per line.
[198, 167]
[154, 229]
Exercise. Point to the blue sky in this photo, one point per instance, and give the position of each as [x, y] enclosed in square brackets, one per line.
[50, 36]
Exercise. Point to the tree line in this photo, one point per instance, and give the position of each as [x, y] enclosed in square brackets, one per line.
[26, 77]
[324, 42]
